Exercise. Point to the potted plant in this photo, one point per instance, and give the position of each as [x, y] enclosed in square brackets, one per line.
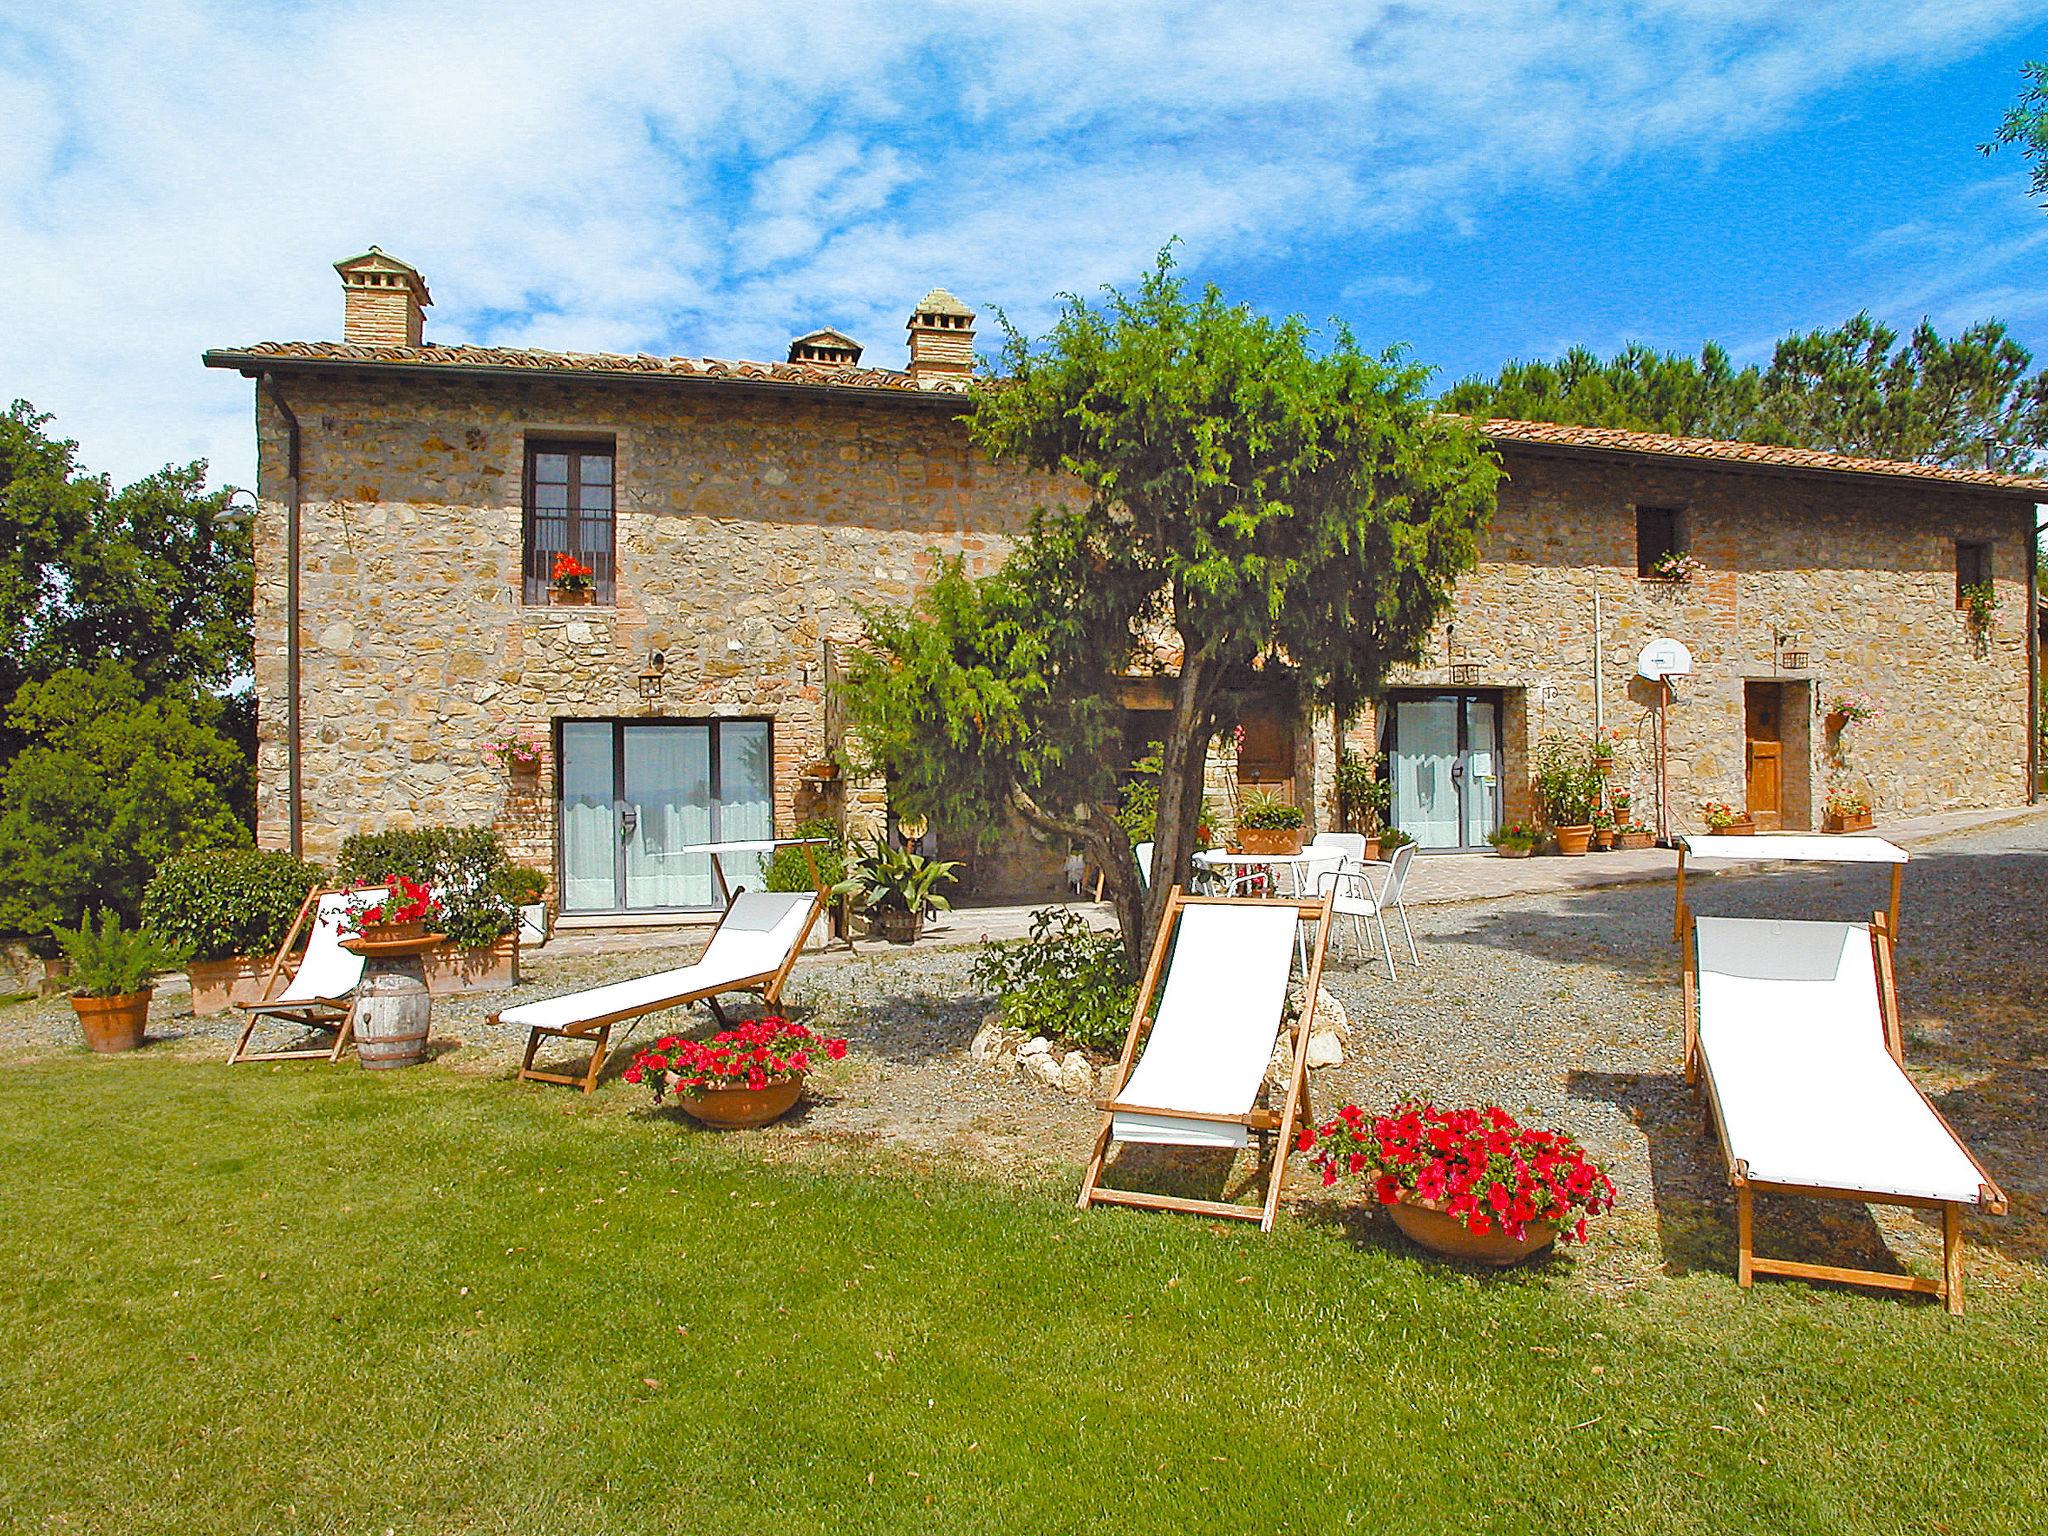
[571, 583]
[1392, 841]
[400, 917]
[1633, 835]
[227, 909]
[741, 1077]
[1268, 824]
[1515, 840]
[1847, 708]
[1846, 810]
[1675, 565]
[894, 888]
[1602, 747]
[466, 868]
[1724, 820]
[1364, 795]
[1470, 1184]
[523, 890]
[1980, 602]
[518, 752]
[1603, 832]
[111, 979]
[1569, 786]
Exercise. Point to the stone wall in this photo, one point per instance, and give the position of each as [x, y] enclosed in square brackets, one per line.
[1855, 572]
[750, 527]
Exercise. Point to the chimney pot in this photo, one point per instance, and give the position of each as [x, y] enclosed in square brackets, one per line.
[941, 341]
[382, 301]
[834, 349]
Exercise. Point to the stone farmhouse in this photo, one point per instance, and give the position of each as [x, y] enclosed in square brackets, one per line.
[413, 497]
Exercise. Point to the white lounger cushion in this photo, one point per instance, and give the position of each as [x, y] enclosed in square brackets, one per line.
[1792, 1037]
[760, 930]
[1212, 1037]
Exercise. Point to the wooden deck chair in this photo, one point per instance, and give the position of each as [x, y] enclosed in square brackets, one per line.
[1219, 971]
[752, 949]
[321, 992]
[1792, 1033]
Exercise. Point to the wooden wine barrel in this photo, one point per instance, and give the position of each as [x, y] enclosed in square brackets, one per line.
[392, 1012]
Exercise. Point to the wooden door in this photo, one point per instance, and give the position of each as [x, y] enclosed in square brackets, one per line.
[1764, 755]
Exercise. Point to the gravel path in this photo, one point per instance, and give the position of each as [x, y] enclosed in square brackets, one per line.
[1563, 1007]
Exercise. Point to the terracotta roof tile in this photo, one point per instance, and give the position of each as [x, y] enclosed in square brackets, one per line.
[1614, 439]
[532, 360]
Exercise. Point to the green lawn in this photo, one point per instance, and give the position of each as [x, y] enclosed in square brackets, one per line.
[313, 1299]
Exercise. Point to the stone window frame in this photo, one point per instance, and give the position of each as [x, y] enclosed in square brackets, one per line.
[577, 443]
[1975, 565]
[1677, 534]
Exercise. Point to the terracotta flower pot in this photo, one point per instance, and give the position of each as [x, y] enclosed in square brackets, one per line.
[1847, 821]
[391, 933]
[217, 985]
[1743, 828]
[580, 598]
[1372, 846]
[1273, 840]
[1628, 840]
[1572, 842]
[1603, 839]
[1513, 850]
[740, 1109]
[1442, 1233]
[1836, 722]
[113, 1023]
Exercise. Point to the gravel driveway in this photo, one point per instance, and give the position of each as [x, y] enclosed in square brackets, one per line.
[1565, 1008]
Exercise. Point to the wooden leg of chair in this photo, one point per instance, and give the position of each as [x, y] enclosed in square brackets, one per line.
[1094, 1173]
[1745, 1237]
[532, 1046]
[1952, 1258]
[717, 1012]
[344, 1033]
[597, 1048]
[242, 1041]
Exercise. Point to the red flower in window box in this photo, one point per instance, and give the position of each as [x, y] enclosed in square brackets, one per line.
[1453, 1175]
[406, 905]
[571, 575]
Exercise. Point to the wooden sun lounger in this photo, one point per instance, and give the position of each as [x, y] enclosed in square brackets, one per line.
[321, 992]
[1221, 1000]
[1792, 1036]
[753, 949]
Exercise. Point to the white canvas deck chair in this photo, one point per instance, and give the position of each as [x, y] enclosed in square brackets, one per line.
[753, 949]
[1221, 1000]
[321, 992]
[1792, 1035]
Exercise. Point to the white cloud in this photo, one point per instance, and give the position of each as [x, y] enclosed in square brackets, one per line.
[713, 178]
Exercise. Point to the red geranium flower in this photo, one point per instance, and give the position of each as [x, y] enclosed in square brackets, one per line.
[746, 1056]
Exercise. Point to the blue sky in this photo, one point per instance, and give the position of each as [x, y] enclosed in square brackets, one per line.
[1482, 179]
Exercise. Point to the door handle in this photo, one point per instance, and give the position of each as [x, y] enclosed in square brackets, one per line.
[629, 820]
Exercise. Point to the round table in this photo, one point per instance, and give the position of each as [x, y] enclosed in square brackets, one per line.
[1298, 865]
[393, 1007]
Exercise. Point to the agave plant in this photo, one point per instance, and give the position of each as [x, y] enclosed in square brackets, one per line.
[883, 878]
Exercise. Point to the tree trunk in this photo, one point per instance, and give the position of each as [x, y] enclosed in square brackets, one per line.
[1105, 839]
[1182, 759]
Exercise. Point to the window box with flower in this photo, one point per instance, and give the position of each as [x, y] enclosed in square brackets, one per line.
[399, 920]
[742, 1077]
[571, 583]
[1674, 567]
[1472, 1184]
[519, 753]
[1847, 810]
[1724, 820]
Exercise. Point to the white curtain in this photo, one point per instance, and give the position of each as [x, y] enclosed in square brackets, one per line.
[589, 820]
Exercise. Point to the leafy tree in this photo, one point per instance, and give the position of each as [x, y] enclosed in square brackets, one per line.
[116, 780]
[1253, 514]
[1970, 402]
[146, 575]
[2026, 125]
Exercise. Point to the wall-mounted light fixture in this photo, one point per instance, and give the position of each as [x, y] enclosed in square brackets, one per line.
[653, 675]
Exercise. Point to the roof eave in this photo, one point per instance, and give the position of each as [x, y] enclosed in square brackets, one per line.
[255, 364]
[2035, 492]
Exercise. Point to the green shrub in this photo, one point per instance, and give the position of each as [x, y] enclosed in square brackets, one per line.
[788, 870]
[519, 885]
[1066, 981]
[112, 961]
[465, 865]
[1362, 789]
[114, 780]
[228, 902]
[1262, 811]
[1567, 782]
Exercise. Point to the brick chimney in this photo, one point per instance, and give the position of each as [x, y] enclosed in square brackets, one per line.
[833, 348]
[941, 341]
[382, 301]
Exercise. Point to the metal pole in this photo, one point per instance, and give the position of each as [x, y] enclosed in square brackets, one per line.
[1663, 784]
[1599, 667]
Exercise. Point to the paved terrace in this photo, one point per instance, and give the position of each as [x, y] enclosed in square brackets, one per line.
[1437, 879]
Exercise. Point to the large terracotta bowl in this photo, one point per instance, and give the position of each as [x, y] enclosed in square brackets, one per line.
[1445, 1234]
[741, 1109]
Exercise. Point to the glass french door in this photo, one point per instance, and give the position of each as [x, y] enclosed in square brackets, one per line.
[1443, 758]
[636, 793]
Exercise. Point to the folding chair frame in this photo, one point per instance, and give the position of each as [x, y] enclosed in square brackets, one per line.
[1265, 1122]
[323, 1013]
[598, 1032]
[1949, 1288]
